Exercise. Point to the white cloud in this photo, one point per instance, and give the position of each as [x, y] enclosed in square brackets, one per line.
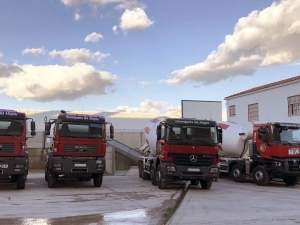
[115, 29]
[266, 38]
[93, 37]
[116, 62]
[98, 56]
[150, 107]
[81, 55]
[7, 71]
[53, 82]
[131, 5]
[135, 19]
[77, 15]
[1, 54]
[90, 2]
[144, 83]
[34, 51]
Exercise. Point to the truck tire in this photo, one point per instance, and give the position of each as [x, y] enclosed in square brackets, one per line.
[260, 176]
[51, 179]
[46, 175]
[195, 182]
[153, 175]
[145, 176]
[21, 181]
[162, 184]
[290, 180]
[206, 184]
[97, 179]
[140, 169]
[238, 173]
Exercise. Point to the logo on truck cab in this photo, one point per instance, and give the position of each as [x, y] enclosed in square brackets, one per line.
[193, 158]
[80, 148]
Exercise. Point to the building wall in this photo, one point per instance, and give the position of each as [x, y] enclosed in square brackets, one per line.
[272, 104]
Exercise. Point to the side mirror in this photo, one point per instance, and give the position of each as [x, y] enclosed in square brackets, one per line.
[47, 128]
[220, 135]
[112, 131]
[158, 134]
[32, 125]
[33, 133]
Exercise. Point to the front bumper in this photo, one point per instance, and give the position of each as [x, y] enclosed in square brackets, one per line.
[68, 165]
[284, 167]
[188, 173]
[13, 166]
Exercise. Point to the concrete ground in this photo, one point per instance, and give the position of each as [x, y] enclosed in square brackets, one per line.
[122, 199]
[228, 202]
[127, 199]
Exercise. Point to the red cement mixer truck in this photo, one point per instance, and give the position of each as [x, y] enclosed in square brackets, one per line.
[181, 150]
[262, 152]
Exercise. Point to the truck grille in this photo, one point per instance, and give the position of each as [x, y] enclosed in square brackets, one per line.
[293, 165]
[7, 147]
[81, 149]
[185, 160]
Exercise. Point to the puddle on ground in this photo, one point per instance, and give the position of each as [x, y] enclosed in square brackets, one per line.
[138, 216]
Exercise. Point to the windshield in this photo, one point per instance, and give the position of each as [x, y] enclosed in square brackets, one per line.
[282, 135]
[192, 134]
[11, 127]
[81, 130]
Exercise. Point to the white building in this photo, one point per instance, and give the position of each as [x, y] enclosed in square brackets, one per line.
[274, 102]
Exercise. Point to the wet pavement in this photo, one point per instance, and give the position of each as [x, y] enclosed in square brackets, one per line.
[123, 199]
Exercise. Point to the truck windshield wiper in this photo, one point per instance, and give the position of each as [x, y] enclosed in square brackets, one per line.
[284, 142]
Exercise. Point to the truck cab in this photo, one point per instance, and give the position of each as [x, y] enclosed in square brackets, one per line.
[14, 162]
[186, 150]
[78, 148]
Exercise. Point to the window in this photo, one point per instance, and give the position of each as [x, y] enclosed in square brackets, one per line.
[253, 112]
[232, 110]
[294, 105]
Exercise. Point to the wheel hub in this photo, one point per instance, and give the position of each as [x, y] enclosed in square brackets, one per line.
[236, 173]
[259, 175]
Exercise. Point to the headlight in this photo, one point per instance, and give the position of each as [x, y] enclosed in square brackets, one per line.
[277, 163]
[171, 168]
[214, 170]
[19, 166]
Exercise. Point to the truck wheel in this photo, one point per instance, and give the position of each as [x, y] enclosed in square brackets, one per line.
[290, 180]
[162, 184]
[140, 169]
[145, 176]
[206, 184]
[260, 176]
[153, 175]
[195, 182]
[46, 175]
[21, 181]
[238, 173]
[51, 179]
[97, 179]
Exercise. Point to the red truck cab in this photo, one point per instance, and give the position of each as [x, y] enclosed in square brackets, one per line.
[14, 160]
[78, 148]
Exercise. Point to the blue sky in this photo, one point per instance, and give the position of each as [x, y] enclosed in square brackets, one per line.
[142, 56]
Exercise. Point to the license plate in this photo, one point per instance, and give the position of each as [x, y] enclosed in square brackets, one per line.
[80, 165]
[193, 169]
[3, 166]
